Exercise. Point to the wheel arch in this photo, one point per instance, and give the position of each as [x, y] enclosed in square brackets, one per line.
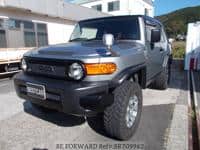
[127, 74]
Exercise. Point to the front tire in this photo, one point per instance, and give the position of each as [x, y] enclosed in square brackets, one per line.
[121, 119]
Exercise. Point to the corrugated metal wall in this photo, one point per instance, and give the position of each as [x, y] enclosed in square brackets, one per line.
[54, 8]
[193, 42]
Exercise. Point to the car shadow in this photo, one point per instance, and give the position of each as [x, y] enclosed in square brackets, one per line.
[96, 123]
[152, 130]
[52, 116]
[66, 120]
[152, 116]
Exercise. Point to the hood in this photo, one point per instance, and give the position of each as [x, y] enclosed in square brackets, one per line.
[83, 49]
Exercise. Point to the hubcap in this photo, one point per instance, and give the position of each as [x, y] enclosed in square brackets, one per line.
[132, 111]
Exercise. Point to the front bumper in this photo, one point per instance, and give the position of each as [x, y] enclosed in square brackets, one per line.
[77, 98]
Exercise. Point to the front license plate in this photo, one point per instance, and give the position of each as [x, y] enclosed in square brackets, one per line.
[36, 91]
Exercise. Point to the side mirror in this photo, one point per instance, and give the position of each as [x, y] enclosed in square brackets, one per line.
[108, 40]
[155, 35]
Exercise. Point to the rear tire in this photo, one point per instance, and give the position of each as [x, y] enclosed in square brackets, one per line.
[162, 80]
[115, 117]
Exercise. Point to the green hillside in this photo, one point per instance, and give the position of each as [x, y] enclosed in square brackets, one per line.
[176, 22]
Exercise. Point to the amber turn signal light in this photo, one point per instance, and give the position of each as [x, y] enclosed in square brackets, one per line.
[100, 68]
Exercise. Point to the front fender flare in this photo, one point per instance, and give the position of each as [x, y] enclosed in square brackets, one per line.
[128, 72]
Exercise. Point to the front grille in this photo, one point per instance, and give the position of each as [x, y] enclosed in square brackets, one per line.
[50, 68]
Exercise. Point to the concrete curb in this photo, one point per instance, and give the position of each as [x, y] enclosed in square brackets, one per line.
[190, 140]
[196, 106]
[179, 137]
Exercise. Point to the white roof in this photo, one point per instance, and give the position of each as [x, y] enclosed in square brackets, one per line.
[53, 8]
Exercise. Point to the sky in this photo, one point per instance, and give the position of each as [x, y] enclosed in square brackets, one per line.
[166, 6]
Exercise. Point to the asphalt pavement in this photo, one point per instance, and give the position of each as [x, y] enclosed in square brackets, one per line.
[22, 127]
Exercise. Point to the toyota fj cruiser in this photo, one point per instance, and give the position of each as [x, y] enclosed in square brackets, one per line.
[101, 70]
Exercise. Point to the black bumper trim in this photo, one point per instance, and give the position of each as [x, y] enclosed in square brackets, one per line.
[77, 98]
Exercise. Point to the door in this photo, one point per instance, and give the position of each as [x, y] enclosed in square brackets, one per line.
[154, 53]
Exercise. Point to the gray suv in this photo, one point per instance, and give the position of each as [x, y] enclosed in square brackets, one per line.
[102, 70]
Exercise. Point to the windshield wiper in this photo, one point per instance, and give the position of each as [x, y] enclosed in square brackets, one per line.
[94, 39]
[79, 39]
[85, 39]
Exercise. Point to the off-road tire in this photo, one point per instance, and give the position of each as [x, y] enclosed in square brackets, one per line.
[162, 79]
[115, 115]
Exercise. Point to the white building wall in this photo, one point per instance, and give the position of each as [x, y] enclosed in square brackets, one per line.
[59, 30]
[127, 7]
[123, 6]
[138, 8]
[59, 33]
[192, 43]
[53, 8]
[59, 16]
[16, 38]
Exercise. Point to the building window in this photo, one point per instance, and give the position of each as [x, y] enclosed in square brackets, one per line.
[97, 7]
[3, 43]
[35, 34]
[113, 6]
[29, 34]
[146, 12]
[1, 23]
[42, 35]
[14, 24]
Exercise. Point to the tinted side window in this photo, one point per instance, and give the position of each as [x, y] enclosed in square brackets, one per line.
[150, 26]
[148, 33]
[163, 36]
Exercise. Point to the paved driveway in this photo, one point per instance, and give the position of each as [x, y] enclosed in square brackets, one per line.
[23, 127]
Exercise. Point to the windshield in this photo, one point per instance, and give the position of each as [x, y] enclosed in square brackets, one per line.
[122, 29]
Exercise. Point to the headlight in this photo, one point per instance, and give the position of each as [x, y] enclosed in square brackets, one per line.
[76, 71]
[24, 65]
